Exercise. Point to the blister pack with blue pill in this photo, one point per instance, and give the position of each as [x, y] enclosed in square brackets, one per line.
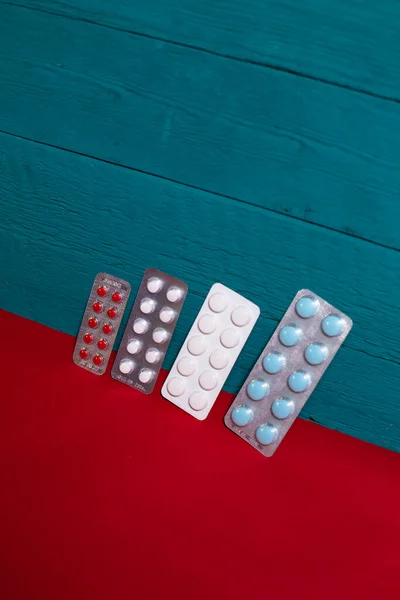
[287, 371]
[148, 332]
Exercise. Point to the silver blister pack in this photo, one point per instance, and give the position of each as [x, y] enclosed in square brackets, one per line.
[100, 323]
[287, 371]
[149, 330]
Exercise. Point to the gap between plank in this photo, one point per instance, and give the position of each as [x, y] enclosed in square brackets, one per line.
[193, 187]
[261, 64]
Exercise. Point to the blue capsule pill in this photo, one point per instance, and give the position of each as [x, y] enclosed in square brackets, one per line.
[289, 335]
[282, 408]
[316, 354]
[257, 389]
[273, 362]
[242, 415]
[333, 325]
[307, 307]
[299, 381]
[266, 434]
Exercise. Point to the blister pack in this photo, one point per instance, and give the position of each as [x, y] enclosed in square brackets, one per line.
[149, 330]
[286, 373]
[100, 323]
[210, 350]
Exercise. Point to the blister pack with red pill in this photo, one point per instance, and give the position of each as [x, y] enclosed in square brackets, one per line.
[149, 330]
[100, 323]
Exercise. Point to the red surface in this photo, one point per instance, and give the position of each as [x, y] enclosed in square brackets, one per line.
[108, 493]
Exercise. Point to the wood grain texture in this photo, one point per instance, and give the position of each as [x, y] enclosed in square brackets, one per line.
[347, 42]
[63, 217]
[296, 146]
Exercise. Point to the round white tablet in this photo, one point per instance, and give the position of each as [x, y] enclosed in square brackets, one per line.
[154, 285]
[176, 386]
[230, 337]
[219, 359]
[240, 316]
[153, 355]
[186, 366]
[167, 314]
[196, 345]
[140, 325]
[147, 305]
[206, 324]
[197, 401]
[160, 335]
[174, 293]
[126, 366]
[218, 302]
[134, 346]
[145, 375]
[208, 380]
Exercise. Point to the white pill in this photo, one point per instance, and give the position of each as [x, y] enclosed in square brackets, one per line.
[206, 324]
[167, 314]
[240, 316]
[145, 375]
[147, 306]
[140, 325]
[196, 345]
[218, 302]
[186, 366]
[197, 401]
[176, 386]
[126, 366]
[153, 355]
[208, 380]
[160, 335]
[219, 359]
[230, 337]
[174, 293]
[134, 346]
[154, 285]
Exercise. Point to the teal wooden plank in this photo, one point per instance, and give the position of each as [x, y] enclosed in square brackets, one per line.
[293, 145]
[63, 217]
[350, 42]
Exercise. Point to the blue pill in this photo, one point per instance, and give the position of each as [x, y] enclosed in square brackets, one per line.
[316, 354]
[290, 335]
[273, 363]
[242, 415]
[307, 307]
[282, 408]
[266, 434]
[332, 325]
[299, 381]
[257, 389]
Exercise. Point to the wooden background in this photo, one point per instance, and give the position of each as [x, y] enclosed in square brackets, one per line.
[251, 142]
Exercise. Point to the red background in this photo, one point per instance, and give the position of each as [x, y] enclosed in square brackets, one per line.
[108, 493]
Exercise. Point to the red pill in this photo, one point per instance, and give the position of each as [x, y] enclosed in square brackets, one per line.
[93, 322]
[112, 312]
[97, 307]
[107, 328]
[116, 297]
[102, 344]
[88, 337]
[97, 359]
[101, 291]
[84, 353]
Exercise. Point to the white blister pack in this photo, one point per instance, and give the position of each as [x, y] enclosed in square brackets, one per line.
[287, 371]
[149, 330]
[210, 350]
[100, 323]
